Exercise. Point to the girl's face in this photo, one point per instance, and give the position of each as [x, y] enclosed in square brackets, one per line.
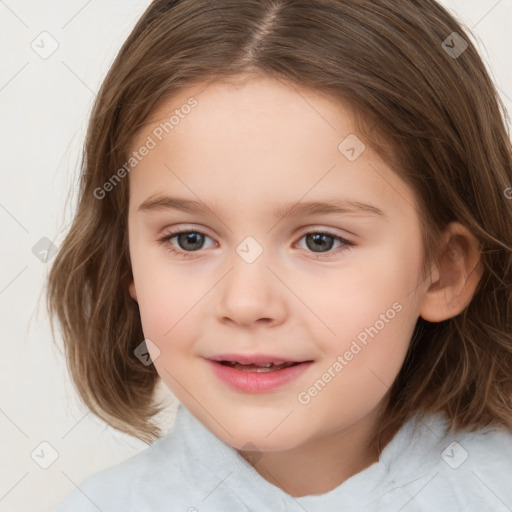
[252, 279]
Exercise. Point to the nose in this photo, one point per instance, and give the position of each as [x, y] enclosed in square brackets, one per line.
[251, 294]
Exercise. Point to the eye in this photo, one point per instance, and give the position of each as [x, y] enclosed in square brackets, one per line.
[189, 242]
[324, 241]
[192, 241]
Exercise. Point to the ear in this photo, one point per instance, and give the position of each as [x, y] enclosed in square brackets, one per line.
[456, 275]
[132, 291]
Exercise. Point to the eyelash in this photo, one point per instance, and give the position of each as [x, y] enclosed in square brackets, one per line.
[189, 254]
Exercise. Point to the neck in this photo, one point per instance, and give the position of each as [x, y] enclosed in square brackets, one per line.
[323, 463]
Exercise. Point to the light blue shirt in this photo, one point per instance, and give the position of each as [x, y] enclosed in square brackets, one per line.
[422, 469]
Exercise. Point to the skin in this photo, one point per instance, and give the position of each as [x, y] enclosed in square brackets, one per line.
[250, 146]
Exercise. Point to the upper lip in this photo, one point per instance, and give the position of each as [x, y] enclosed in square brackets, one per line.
[254, 358]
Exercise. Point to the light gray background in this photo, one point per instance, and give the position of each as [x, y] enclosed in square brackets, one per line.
[44, 106]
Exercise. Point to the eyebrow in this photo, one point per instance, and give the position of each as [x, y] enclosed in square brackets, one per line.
[162, 203]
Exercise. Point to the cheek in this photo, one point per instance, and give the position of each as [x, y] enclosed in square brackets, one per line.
[371, 314]
[157, 293]
[369, 291]
[170, 307]
[362, 361]
[157, 301]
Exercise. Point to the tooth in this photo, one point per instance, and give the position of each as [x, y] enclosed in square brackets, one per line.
[261, 367]
[264, 365]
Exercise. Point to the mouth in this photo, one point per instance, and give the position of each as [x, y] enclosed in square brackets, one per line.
[258, 367]
[256, 362]
[257, 373]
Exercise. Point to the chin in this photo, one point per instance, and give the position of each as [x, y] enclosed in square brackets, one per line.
[262, 436]
[262, 444]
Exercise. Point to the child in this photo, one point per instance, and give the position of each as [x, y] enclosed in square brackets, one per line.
[373, 374]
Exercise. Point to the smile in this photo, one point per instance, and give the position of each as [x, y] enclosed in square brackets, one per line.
[257, 377]
[257, 367]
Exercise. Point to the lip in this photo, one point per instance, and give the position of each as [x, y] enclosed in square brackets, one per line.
[257, 382]
[254, 358]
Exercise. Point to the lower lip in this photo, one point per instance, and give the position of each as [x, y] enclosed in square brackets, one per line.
[257, 382]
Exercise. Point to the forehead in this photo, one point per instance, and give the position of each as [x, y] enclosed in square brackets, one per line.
[244, 100]
[258, 139]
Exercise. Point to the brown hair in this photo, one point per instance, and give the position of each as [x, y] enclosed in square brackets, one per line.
[434, 115]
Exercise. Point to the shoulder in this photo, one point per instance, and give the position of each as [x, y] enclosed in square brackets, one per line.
[108, 489]
[472, 470]
[115, 487]
[480, 464]
[175, 472]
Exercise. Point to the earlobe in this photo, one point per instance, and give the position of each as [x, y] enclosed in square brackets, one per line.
[133, 292]
[454, 277]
